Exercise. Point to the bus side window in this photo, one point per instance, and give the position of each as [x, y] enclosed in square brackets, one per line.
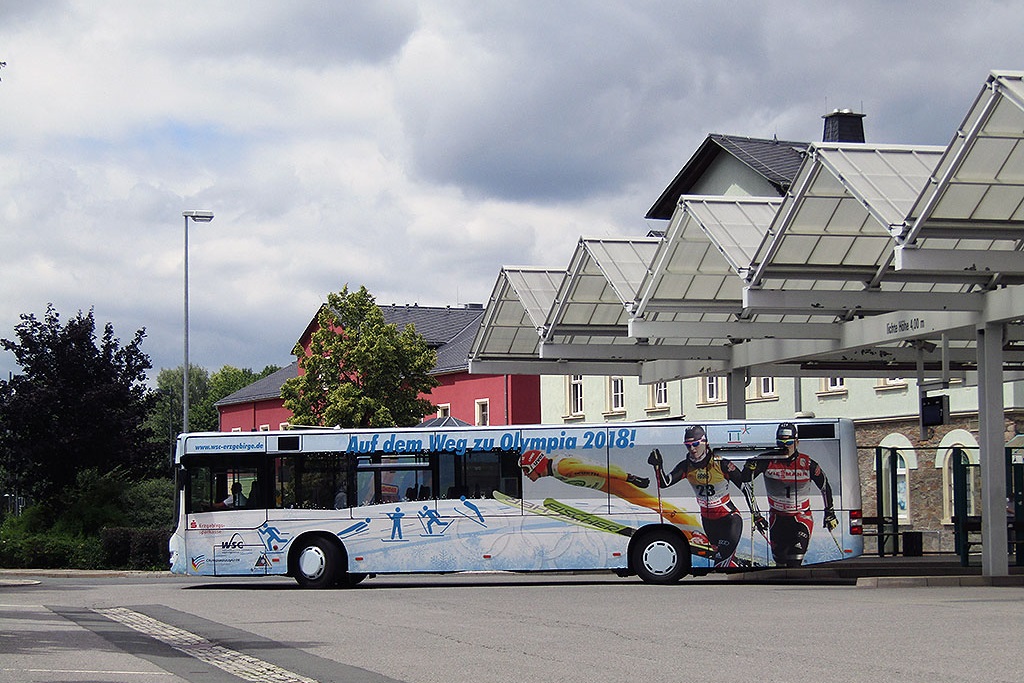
[480, 474]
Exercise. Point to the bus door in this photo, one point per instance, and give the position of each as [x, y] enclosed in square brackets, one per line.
[224, 508]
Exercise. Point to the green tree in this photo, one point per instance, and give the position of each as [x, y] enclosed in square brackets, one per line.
[79, 403]
[168, 383]
[204, 391]
[360, 371]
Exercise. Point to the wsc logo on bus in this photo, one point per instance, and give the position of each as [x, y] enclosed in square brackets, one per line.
[236, 543]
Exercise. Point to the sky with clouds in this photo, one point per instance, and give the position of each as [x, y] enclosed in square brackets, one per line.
[411, 147]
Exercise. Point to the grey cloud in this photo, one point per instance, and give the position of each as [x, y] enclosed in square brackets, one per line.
[317, 34]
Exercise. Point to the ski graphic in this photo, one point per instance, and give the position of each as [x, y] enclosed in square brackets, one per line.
[566, 513]
[578, 517]
[587, 519]
[698, 545]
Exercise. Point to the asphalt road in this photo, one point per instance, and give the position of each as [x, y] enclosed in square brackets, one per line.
[499, 628]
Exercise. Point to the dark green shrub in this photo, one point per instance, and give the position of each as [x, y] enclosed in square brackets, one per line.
[149, 549]
[49, 550]
[149, 503]
[116, 545]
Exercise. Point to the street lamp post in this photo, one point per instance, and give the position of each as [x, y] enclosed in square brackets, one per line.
[197, 217]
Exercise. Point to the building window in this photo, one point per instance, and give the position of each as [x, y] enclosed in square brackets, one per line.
[973, 481]
[763, 388]
[265, 428]
[659, 394]
[902, 487]
[832, 385]
[576, 395]
[711, 390]
[891, 383]
[905, 461]
[616, 394]
[483, 412]
[444, 410]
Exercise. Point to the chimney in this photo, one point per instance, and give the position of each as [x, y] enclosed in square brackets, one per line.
[843, 125]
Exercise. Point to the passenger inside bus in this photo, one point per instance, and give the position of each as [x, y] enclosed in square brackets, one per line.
[235, 501]
[255, 499]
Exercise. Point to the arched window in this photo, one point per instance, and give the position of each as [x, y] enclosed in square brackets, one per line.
[957, 438]
[906, 460]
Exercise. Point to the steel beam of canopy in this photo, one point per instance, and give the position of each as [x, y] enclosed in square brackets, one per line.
[958, 265]
[533, 366]
[838, 302]
[635, 352]
[664, 370]
[741, 329]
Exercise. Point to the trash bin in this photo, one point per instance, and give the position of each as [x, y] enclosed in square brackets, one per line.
[913, 544]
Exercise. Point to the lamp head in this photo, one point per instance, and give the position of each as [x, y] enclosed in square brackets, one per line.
[199, 216]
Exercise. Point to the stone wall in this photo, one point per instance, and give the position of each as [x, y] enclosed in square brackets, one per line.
[925, 496]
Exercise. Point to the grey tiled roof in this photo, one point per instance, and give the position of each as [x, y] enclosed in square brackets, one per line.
[262, 389]
[438, 324]
[454, 356]
[777, 161]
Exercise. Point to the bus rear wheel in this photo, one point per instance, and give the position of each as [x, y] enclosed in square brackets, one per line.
[661, 557]
[317, 563]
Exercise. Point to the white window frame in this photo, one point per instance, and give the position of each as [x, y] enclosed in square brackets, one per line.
[762, 388]
[574, 395]
[835, 383]
[444, 409]
[659, 394]
[712, 391]
[616, 394]
[483, 412]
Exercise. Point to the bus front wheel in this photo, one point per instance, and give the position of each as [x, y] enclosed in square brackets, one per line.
[661, 556]
[350, 579]
[317, 563]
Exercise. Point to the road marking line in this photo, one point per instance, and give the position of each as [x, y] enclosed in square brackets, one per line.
[244, 666]
[91, 671]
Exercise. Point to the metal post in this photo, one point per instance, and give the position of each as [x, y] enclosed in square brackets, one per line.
[894, 507]
[197, 217]
[879, 501]
[960, 531]
[184, 372]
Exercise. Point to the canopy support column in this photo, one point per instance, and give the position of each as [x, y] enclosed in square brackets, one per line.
[991, 427]
[736, 394]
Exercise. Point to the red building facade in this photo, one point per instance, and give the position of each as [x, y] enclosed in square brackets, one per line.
[475, 399]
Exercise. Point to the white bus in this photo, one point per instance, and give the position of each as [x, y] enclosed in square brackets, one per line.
[654, 499]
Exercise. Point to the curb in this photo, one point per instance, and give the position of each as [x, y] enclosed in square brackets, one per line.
[939, 581]
[8, 574]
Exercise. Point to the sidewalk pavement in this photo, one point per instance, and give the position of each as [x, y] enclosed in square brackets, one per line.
[871, 571]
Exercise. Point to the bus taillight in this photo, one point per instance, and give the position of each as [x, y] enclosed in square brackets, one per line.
[856, 523]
